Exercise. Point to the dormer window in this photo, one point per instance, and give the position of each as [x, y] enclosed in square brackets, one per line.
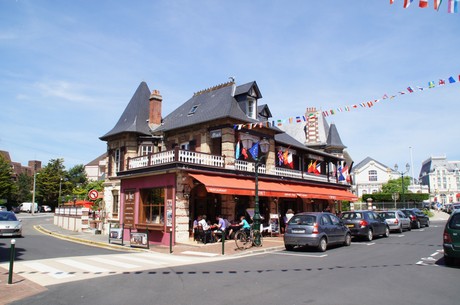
[193, 110]
[252, 108]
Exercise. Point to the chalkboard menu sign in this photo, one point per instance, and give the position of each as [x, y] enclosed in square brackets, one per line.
[128, 211]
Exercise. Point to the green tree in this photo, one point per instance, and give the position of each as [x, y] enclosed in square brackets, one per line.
[24, 188]
[395, 186]
[48, 181]
[7, 185]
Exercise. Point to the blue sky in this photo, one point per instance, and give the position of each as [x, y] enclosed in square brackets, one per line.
[69, 68]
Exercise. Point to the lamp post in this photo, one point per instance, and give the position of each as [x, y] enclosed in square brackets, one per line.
[402, 173]
[264, 147]
[60, 186]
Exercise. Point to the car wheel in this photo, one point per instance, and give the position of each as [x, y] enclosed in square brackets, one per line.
[400, 230]
[370, 235]
[322, 245]
[428, 223]
[347, 241]
[417, 224]
[448, 261]
[289, 247]
[387, 232]
[409, 228]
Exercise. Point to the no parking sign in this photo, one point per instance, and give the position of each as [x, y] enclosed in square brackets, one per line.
[93, 195]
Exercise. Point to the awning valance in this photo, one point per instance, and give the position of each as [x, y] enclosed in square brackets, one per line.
[246, 187]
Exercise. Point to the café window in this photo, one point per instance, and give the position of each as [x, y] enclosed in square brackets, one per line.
[145, 149]
[152, 206]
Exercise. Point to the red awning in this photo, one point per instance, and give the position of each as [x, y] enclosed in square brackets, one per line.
[246, 186]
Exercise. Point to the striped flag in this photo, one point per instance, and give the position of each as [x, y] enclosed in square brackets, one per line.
[423, 3]
[410, 89]
[437, 4]
[392, 1]
[407, 3]
[452, 6]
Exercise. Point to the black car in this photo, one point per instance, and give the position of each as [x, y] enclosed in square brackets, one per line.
[365, 224]
[417, 218]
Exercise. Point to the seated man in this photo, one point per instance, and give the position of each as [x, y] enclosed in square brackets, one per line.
[219, 228]
[206, 229]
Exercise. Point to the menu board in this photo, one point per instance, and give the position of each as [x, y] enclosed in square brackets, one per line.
[128, 211]
[169, 213]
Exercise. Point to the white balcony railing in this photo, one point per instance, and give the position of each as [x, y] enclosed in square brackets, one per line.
[192, 157]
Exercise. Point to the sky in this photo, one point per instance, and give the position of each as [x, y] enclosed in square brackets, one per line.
[69, 68]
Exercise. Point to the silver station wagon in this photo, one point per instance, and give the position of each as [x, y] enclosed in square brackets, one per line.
[315, 229]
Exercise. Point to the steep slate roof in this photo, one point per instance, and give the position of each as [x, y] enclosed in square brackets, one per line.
[134, 118]
[333, 138]
[212, 104]
[96, 161]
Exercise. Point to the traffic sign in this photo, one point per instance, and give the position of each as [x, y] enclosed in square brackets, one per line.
[93, 194]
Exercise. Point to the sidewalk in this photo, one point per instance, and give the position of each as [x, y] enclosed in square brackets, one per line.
[189, 248]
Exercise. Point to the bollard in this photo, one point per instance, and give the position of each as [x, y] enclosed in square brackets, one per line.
[170, 240]
[223, 242]
[10, 274]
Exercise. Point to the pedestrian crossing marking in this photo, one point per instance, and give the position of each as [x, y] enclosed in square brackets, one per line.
[113, 262]
[81, 265]
[56, 273]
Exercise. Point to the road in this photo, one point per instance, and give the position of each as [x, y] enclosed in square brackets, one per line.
[403, 269]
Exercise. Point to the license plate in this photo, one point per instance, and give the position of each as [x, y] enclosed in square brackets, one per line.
[351, 226]
[298, 231]
[7, 234]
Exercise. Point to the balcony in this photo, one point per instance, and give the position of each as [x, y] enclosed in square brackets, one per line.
[203, 159]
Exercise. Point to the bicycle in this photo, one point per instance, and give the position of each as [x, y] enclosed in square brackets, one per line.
[244, 240]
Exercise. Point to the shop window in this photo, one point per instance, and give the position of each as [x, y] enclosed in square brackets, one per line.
[152, 206]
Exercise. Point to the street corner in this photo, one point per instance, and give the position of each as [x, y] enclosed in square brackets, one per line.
[19, 288]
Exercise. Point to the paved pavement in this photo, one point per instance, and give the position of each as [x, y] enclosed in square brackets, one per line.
[22, 288]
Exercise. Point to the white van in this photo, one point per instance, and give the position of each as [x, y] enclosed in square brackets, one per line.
[27, 207]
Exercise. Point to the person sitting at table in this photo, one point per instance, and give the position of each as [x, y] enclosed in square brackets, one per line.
[219, 228]
[206, 228]
[195, 227]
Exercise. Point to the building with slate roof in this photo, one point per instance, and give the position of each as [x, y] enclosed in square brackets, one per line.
[200, 159]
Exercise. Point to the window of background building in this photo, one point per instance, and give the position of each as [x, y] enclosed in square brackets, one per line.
[117, 160]
[372, 175]
[146, 149]
[251, 108]
[152, 206]
[115, 203]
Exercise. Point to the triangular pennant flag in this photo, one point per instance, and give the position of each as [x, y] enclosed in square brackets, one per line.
[423, 3]
[238, 150]
[451, 80]
[437, 4]
[407, 3]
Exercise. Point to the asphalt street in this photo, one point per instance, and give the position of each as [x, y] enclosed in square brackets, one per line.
[405, 268]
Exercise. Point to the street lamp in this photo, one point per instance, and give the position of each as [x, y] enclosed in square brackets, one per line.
[264, 147]
[60, 186]
[402, 173]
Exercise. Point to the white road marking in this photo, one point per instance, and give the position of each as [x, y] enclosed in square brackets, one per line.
[112, 262]
[53, 272]
[81, 265]
[199, 253]
[299, 254]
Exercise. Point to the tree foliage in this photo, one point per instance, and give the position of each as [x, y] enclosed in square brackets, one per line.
[7, 185]
[395, 186]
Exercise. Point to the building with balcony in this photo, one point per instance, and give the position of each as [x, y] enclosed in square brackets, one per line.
[162, 172]
[442, 178]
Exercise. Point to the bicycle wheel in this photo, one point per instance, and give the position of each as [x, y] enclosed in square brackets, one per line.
[257, 239]
[241, 240]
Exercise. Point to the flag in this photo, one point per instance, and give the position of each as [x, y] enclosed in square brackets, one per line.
[423, 3]
[290, 161]
[407, 3]
[309, 168]
[313, 168]
[451, 80]
[410, 89]
[431, 84]
[297, 119]
[244, 152]
[452, 6]
[400, 92]
[318, 169]
[254, 150]
[437, 4]
[442, 82]
[392, 1]
[339, 173]
[280, 157]
[420, 88]
[238, 150]
[385, 96]
[345, 173]
[285, 157]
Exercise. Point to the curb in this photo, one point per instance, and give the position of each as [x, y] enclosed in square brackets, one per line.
[87, 242]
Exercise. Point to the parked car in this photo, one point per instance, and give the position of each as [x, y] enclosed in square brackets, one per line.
[315, 229]
[9, 224]
[446, 207]
[451, 238]
[27, 207]
[45, 209]
[455, 207]
[365, 224]
[417, 218]
[396, 220]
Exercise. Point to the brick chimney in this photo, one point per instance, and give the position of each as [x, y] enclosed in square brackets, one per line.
[155, 108]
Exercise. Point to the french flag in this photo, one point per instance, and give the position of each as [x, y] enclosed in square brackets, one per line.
[407, 3]
[452, 6]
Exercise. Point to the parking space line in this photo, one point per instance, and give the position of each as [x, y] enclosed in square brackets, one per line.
[299, 254]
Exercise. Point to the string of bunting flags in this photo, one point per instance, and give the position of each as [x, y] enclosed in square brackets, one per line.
[452, 5]
[368, 104]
